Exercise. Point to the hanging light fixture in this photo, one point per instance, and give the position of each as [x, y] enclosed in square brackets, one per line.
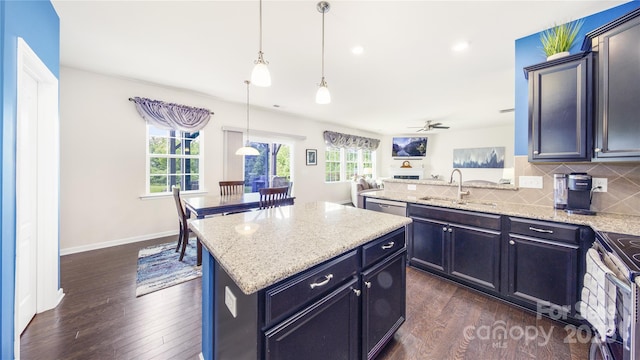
[323, 96]
[247, 149]
[260, 75]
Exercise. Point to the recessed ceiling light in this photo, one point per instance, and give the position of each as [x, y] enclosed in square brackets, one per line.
[461, 46]
[357, 50]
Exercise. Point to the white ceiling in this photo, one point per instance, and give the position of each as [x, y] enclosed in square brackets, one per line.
[406, 75]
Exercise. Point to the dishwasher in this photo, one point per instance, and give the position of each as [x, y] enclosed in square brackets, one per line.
[386, 206]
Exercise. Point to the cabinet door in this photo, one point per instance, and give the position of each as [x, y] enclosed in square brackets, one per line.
[617, 125]
[327, 329]
[560, 112]
[475, 256]
[428, 245]
[543, 272]
[384, 303]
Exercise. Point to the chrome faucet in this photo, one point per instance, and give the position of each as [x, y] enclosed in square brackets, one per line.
[460, 192]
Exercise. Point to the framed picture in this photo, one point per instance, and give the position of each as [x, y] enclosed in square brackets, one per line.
[312, 157]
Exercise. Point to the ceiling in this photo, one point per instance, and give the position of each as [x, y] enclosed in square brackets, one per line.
[407, 73]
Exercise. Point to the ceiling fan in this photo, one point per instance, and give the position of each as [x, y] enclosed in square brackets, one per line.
[429, 125]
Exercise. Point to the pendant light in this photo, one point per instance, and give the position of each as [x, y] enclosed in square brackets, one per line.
[323, 96]
[247, 149]
[260, 75]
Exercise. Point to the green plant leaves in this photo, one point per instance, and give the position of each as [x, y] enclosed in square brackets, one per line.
[560, 37]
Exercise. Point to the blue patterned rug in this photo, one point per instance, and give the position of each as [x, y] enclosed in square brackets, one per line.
[159, 268]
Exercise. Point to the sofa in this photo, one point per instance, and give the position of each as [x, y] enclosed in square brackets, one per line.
[361, 185]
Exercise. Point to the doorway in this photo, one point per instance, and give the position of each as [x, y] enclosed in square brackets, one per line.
[37, 190]
[271, 168]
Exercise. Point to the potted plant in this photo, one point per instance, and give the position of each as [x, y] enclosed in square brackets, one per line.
[557, 40]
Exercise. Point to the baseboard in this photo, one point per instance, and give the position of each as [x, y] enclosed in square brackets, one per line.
[102, 245]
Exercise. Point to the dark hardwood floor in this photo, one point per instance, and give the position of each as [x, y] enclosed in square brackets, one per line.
[100, 318]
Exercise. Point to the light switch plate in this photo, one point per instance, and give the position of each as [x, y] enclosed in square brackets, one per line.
[230, 301]
[602, 182]
[531, 182]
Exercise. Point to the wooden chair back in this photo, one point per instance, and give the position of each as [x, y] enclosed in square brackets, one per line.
[231, 187]
[273, 197]
[181, 214]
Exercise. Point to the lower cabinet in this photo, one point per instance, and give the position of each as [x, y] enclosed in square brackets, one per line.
[531, 263]
[544, 265]
[467, 253]
[383, 304]
[328, 329]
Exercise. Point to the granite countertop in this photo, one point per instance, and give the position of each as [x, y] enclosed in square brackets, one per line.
[260, 248]
[625, 224]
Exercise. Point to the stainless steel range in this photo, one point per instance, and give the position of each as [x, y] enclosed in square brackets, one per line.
[623, 253]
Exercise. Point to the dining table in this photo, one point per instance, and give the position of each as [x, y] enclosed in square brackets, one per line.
[203, 206]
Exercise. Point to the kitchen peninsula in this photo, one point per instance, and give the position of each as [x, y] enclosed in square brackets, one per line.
[301, 281]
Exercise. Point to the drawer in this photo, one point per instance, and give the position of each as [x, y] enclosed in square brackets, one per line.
[545, 230]
[463, 217]
[380, 248]
[286, 298]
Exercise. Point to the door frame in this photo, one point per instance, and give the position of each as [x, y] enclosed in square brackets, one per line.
[48, 291]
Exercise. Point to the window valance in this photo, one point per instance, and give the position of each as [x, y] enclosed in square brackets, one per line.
[350, 141]
[172, 116]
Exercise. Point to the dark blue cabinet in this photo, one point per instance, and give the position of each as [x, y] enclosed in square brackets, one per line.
[560, 109]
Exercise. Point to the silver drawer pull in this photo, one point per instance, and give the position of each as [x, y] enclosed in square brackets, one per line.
[383, 206]
[323, 282]
[540, 230]
[388, 245]
[356, 291]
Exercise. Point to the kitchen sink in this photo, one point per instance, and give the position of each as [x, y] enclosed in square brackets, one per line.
[452, 201]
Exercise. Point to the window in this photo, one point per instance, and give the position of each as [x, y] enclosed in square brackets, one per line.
[341, 163]
[332, 164]
[173, 158]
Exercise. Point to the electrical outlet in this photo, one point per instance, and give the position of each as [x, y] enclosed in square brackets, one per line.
[230, 301]
[531, 182]
[601, 182]
[411, 187]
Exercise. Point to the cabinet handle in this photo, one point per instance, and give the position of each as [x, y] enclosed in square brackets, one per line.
[536, 152]
[357, 292]
[450, 230]
[388, 245]
[367, 284]
[511, 242]
[444, 228]
[540, 230]
[597, 150]
[323, 282]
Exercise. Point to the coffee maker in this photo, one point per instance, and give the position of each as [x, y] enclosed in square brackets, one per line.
[579, 194]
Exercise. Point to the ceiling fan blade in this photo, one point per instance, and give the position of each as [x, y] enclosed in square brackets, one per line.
[440, 127]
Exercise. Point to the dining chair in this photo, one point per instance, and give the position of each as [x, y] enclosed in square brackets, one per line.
[231, 187]
[273, 197]
[183, 237]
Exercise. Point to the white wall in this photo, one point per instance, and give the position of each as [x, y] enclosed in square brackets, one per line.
[439, 159]
[102, 170]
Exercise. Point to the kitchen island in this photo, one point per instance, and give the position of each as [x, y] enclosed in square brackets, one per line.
[315, 280]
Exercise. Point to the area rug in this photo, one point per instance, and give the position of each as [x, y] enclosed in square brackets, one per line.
[159, 268]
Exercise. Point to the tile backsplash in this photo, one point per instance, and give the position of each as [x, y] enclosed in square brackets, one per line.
[622, 196]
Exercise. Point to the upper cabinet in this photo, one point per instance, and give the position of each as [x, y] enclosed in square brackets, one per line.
[615, 47]
[560, 110]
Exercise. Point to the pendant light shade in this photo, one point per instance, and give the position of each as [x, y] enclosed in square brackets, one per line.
[247, 149]
[260, 75]
[323, 96]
